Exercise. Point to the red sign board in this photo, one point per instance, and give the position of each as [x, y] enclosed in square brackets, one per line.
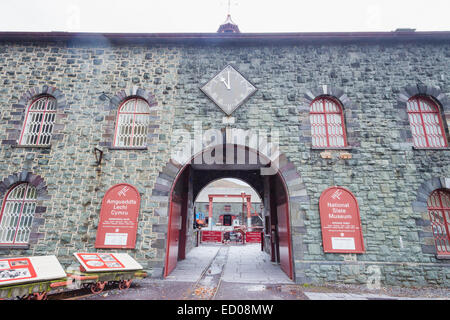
[340, 220]
[100, 260]
[16, 269]
[254, 237]
[118, 218]
[211, 236]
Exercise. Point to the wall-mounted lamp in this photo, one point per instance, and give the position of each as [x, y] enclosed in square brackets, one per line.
[98, 156]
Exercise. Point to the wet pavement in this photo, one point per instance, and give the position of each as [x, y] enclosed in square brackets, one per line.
[246, 291]
[197, 260]
[248, 264]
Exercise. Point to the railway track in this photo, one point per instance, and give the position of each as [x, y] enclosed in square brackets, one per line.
[205, 288]
[208, 284]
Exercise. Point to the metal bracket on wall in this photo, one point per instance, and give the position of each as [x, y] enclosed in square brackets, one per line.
[98, 156]
[104, 96]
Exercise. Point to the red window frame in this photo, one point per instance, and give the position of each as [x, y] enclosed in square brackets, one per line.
[22, 205]
[134, 113]
[44, 112]
[439, 218]
[420, 100]
[324, 113]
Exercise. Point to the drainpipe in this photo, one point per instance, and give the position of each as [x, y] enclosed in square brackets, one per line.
[249, 216]
[210, 213]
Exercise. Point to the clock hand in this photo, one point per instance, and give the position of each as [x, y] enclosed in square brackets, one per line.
[226, 84]
[229, 84]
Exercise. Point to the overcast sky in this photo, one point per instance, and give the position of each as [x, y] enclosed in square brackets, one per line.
[206, 15]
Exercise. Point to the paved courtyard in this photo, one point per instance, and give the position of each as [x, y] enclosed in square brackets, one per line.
[191, 268]
[245, 264]
[236, 272]
[248, 264]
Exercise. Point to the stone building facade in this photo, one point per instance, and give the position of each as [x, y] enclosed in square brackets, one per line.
[371, 74]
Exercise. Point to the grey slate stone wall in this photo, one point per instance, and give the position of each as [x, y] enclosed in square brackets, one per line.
[75, 184]
[389, 178]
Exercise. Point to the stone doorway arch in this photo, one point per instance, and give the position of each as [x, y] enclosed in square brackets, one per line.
[171, 192]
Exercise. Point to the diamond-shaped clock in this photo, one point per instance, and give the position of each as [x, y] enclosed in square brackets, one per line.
[228, 89]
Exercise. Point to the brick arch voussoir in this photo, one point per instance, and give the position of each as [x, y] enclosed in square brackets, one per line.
[35, 180]
[44, 90]
[408, 92]
[327, 90]
[426, 188]
[120, 96]
[296, 189]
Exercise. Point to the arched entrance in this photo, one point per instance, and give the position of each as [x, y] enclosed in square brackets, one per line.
[274, 190]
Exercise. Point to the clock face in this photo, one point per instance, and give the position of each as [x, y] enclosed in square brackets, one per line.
[228, 89]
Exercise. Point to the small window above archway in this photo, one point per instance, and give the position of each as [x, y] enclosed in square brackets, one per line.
[133, 119]
[426, 123]
[327, 123]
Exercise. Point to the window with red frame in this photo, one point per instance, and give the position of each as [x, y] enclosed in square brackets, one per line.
[426, 123]
[133, 119]
[439, 212]
[39, 120]
[327, 123]
[17, 214]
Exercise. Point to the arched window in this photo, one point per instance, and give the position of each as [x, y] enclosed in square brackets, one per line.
[38, 125]
[439, 212]
[327, 123]
[17, 214]
[426, 123]
[133, 119]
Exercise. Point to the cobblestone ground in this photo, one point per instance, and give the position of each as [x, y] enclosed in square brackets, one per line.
[245, 273]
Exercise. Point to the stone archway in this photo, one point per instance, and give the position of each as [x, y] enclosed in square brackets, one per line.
[290, 181]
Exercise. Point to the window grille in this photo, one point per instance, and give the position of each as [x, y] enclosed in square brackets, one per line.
[426, 123]
[327, 123]
[133, 119]
[439, 212]
[17, 214]
[38, 124]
